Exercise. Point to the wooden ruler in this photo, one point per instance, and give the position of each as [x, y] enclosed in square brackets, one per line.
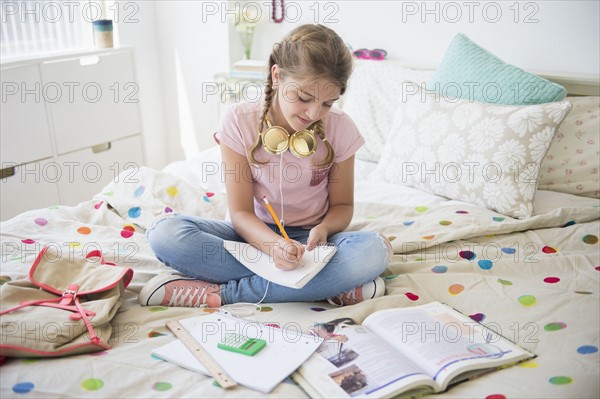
[224, 380]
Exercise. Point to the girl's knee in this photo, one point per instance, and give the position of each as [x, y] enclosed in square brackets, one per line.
[380, 248]
[164, 232]
[160, 228]
[387, 245]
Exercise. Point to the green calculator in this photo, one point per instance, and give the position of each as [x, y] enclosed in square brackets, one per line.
[241, 344]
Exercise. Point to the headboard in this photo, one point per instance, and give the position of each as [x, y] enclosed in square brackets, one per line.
[577, 84]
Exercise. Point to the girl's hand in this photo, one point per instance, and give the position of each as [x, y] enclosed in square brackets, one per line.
[287, 254]
[317, 236]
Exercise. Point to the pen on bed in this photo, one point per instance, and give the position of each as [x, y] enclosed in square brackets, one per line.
[272, 212]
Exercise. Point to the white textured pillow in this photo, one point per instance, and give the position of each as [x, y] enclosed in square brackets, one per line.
[572, 164]
[371, 99]
[485, 154]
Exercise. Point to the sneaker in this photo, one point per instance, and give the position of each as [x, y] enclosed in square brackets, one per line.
[370, 290]
[168, 289]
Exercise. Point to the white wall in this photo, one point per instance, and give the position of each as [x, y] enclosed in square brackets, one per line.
[181, 45]
[177, 57]
[556, 35]
[139, 30]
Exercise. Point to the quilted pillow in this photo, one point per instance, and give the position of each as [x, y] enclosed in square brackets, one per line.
[469, 71]
[481, 153]
[572, 164]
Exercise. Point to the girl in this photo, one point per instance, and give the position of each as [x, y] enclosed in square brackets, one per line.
[307, 176]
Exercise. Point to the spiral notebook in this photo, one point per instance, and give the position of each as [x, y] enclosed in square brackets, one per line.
[262, 264]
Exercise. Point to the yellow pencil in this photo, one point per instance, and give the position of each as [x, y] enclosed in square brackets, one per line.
[272, 212]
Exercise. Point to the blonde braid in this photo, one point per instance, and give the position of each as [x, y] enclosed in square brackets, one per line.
[269, 94]
[319, 129]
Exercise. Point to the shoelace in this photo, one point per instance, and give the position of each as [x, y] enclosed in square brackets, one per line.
[180, 297]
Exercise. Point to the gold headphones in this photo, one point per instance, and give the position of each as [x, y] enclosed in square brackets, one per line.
[277, 140]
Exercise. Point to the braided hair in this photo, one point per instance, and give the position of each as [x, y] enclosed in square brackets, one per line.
[309, 51]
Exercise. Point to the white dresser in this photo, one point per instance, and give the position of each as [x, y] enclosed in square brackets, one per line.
[69, 125]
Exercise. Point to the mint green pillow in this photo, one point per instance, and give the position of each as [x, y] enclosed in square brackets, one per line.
[471, 72]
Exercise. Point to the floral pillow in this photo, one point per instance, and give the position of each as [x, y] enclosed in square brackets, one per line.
[481, 153]
[371, 99]
[572, 164]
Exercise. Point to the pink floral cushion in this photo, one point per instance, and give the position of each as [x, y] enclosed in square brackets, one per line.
[573, 160]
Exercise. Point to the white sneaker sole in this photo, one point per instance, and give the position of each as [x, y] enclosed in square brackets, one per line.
[155, 284]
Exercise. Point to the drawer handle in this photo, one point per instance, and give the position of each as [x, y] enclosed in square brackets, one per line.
[91, 60]
[7, 172]
[101, 147]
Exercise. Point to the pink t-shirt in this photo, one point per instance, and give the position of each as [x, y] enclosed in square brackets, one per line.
[304, 186]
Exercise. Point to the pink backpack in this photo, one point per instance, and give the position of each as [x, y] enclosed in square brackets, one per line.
[64, 308]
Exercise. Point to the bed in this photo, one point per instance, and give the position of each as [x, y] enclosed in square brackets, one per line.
[533, 279]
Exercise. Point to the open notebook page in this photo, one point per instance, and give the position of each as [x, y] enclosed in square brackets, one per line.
[262, 264]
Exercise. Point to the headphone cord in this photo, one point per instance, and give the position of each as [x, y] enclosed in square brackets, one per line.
[240, 307]
[281, 189]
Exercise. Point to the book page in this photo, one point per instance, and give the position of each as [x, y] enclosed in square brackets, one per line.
[262, 264]
[442, 341]
[354, 362]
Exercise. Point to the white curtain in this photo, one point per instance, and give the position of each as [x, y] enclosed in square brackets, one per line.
[31, 27]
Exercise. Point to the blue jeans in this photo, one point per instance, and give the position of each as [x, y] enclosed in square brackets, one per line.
[194, 247]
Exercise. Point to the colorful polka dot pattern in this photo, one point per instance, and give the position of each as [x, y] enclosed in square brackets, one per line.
[548, 250]
[84, 230]
[40, 221]
[478, 317]
[527, 300]
[590, 239]
[162, 386]
[139, 191]
[134, 212]
[412, 296]
[560, 380]
[485, 264]
[23, 387]
[587, 349]
[456, 289]
[127, 231]
[439, 269]
[529, 365]
[208, 196]
[551, 280]
[157, 308]
[555, 326]
[172, 191]
[92, 384]
[467, 257]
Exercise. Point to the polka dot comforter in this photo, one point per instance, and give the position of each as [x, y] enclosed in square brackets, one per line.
[535, 281]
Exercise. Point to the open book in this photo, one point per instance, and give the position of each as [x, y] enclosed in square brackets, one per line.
[262, 264]
[284, 352]
[410, 351]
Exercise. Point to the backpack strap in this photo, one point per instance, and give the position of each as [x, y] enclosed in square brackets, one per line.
[96, 253]
[69, 301]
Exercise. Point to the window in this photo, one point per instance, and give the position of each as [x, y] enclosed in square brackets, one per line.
[38, 27]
